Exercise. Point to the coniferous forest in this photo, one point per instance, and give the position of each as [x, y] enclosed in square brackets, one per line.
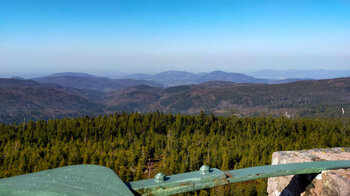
[137, 146]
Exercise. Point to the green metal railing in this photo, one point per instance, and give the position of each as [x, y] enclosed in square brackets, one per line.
[211, 177]
[97, 180]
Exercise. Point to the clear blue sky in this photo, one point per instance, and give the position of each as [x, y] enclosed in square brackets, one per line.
[151, 36]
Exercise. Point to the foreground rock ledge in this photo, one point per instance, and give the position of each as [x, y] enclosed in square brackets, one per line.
[329, 182]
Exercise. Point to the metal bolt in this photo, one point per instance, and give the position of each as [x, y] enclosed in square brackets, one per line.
[159, 177]
[204, 169]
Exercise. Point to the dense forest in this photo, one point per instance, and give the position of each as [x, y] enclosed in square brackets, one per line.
[137, 146]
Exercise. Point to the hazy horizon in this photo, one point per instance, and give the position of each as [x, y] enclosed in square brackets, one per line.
[255, 73]
[42, 37]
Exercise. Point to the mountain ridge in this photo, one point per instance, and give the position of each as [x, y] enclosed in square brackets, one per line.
[34, 100]
[92, 82]
[247, 99]
[175, 78]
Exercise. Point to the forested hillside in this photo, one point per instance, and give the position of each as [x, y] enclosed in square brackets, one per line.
[90, 82]
[312, 98]
[320, 98]
[19, 104]
[137, 146]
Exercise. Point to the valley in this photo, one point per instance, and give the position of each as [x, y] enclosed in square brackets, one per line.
[79, 95]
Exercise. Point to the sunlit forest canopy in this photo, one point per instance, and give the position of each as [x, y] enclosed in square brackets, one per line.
[137, 146]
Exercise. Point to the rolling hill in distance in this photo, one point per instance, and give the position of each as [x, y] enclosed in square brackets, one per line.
[31, 100]
[76, 94]
[87, 81]
[175, 78]
[303, 98]
[166, 79]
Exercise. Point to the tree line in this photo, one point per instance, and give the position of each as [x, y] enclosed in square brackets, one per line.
[137, 146]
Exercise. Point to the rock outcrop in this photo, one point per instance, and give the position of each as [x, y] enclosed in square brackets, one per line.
[329, 182]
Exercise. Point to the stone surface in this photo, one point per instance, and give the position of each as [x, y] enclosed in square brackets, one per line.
[331, 182]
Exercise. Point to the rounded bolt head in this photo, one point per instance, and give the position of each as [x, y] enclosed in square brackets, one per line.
[204, 169]
[159, 177]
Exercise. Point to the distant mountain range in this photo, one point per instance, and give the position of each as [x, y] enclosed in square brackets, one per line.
[163, 79]
[87, 81]
[38, 100]
[175, 78]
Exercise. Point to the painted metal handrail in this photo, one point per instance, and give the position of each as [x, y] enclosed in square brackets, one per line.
[89, 180]
[211, 177]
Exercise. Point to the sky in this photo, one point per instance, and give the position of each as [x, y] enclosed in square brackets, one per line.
[150, 36]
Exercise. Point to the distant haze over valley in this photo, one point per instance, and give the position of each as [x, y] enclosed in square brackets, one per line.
[173, 77]
[314, 74]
